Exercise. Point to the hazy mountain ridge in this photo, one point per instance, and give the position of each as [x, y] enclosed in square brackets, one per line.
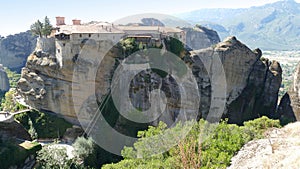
[273, 26]
[14, 49]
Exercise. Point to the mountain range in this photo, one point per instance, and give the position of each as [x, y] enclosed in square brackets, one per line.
[274, 26]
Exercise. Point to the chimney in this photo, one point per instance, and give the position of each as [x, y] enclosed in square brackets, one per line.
[60, 20]
[76, 22]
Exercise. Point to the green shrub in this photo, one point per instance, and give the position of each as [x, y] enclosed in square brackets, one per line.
[13, 77]
[50, 157]
[85, 151]
[12, 153]
[45, 125]
[215, 150]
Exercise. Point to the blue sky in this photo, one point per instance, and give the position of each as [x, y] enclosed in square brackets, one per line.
[18, 15]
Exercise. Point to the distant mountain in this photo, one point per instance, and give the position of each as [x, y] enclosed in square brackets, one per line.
[274, 26]
[14, 50]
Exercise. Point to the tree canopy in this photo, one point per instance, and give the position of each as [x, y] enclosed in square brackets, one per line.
[41, 29]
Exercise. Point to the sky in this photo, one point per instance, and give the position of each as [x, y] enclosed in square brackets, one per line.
[18, 15]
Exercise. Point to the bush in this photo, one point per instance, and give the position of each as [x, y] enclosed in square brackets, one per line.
[196, 151]
[50, 157]
[13, 77]
[12, 153]
[85, 151]
[45, 125]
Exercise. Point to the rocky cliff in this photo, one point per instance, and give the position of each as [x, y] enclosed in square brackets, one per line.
[280, 149]
[289, 107]
[207, 36]
[4, 82]
[14, 50]
[250, 85]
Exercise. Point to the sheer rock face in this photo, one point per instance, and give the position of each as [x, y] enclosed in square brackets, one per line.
[249, 87]
[47, 85]
[252, 85]
[289, 107]
[4, 82]
[14, 50]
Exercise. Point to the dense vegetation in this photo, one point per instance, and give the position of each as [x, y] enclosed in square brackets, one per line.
[215, 151]
[43, 125]
[13, 77]
[19, 152]
[86, 155]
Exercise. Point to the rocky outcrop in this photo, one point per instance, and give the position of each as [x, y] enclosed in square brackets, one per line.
[280, 149]
[289, 107]
[259, 97]
[13, 130]
[47, 85]
[247, 89]
[4, 82]
[252, 85]
[14, 50]
[207, 36]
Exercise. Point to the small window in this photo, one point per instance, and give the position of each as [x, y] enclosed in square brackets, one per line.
[64, 44]
[80, 35]
[71, 50]
[90, 35]
[58, 50]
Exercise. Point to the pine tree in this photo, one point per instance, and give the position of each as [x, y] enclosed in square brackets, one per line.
[41, 29]
[47, 28]
[37, 28]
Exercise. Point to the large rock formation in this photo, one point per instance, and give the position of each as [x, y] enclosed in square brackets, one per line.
[289, 107]
[14, 50]
[250, 85]
[207, 36]
[13, 130]
[4, 82]
[280, 149]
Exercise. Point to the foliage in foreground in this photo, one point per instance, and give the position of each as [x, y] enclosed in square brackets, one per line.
[44, 124]
[213, 151]
[9, 149]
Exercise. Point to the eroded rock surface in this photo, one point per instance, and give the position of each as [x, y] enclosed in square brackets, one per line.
[248, 90]
[280, 149]
[289, 107]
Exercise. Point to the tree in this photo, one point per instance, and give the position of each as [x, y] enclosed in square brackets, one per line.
[85, 151]
[41, 29]
[47, 28]
[37, 28]
[53, 157]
